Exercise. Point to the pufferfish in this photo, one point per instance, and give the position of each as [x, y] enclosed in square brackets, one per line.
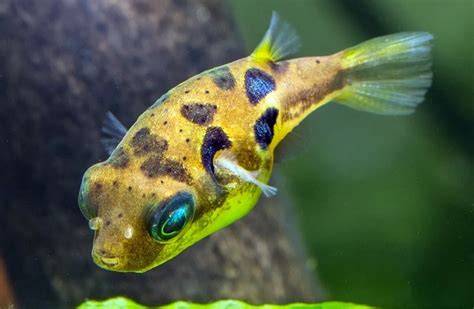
[199, 158]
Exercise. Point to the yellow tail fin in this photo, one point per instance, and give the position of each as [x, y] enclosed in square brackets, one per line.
[387, 75]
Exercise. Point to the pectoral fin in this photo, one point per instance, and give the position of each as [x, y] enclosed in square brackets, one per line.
[228, 162]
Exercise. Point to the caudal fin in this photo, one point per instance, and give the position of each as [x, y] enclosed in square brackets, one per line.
[387, 75]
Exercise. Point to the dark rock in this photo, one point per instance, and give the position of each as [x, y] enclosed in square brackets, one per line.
[63, 64]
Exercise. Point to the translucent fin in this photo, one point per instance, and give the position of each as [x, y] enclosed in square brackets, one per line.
[387, 75]
[279, 41]
[227, 161]
[112, 132]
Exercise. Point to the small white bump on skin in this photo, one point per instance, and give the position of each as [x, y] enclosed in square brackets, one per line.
[128, 232]
[95, 223]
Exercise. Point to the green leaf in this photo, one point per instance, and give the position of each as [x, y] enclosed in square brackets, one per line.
[124, 303]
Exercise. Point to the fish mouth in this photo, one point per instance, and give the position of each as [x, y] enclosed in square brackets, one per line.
[109, 262]
[105, 262]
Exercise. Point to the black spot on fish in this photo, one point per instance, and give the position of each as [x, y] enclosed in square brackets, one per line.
[263, 128]
[155, 167]
[198, 113]
[151, 167]
[214, 140]
[143, 142]
[175, 170]
[258, 84]
[223, 78]
[98, 186]
[119, 159]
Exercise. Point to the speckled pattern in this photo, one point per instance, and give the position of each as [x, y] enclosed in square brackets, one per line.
[258, 84]
[172, 147]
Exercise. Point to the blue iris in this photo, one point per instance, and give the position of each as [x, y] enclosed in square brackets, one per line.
[176, 221]
[171, 217]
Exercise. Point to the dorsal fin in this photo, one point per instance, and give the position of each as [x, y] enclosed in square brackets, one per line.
[112, 132]
[279, 41]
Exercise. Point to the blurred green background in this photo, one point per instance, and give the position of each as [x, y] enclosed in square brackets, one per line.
[386, 204]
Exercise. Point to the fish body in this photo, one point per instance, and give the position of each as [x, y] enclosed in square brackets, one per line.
[200, 157]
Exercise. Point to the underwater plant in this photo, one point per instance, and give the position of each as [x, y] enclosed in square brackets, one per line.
[200, 156]
[124, 303]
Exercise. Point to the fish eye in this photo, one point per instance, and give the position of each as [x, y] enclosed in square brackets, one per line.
[171, 217]
[87, 210]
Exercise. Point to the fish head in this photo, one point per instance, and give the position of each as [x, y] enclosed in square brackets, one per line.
[139, 226]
